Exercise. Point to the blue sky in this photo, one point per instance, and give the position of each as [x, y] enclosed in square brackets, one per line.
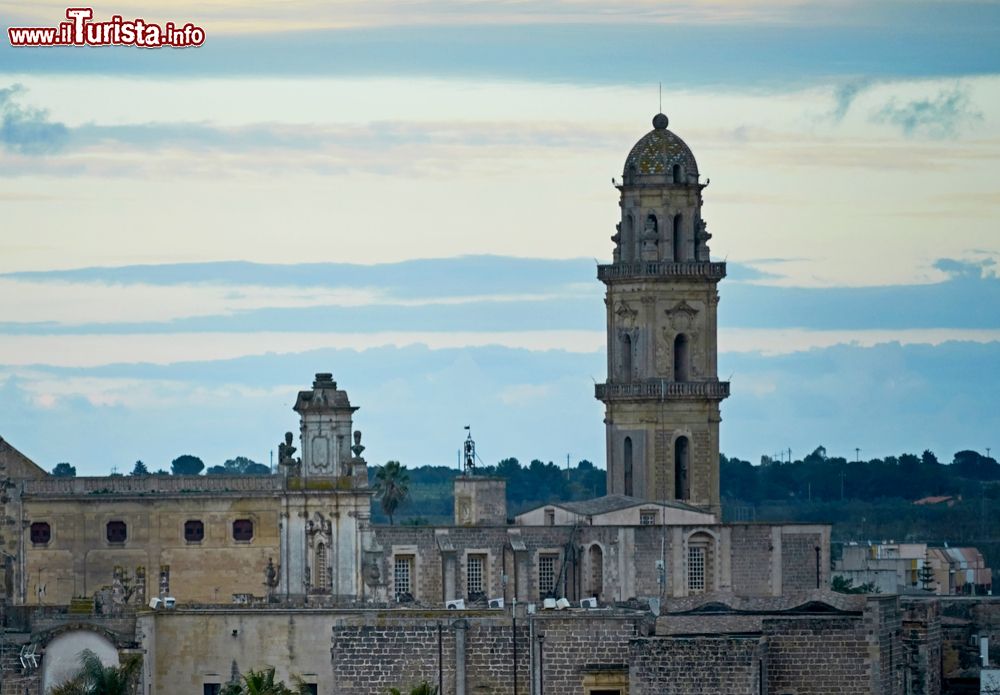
[414, 196]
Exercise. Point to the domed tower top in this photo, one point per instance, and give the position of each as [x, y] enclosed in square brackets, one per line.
[660, 157]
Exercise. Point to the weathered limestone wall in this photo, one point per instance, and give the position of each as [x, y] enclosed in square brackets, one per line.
[480, 501]
[79, 560]
[921, 638]
[702, 665]
[188, 649]
[752, 558]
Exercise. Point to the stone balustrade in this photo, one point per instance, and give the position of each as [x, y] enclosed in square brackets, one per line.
[662, 389]
[698, 270]
[153, 485]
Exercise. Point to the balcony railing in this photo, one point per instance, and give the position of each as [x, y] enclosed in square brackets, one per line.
[698, 270]
[662, 390]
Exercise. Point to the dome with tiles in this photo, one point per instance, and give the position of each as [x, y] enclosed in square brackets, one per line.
[658, 151]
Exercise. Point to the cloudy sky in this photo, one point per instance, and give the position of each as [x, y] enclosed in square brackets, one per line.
[412, 195]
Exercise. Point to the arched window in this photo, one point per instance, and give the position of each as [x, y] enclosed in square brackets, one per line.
[595, 557]
[678, 239]
[628, 239]
[676, 173]
[320, 577]
[627, 460]
[627, 357]
[116, 532]
[682, 455]
[681, 358]
[700, 563]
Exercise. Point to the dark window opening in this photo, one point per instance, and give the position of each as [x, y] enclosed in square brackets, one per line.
[678, 241]
[211, 689]
[681, 358]
[628, 466]
[677, 173]
[242, 530]
[41, 533]
[117, 532]
[627, 357]
[681, 459]
[194, 531]
[311, 688]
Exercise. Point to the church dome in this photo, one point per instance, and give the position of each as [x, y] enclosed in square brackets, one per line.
[658, 151]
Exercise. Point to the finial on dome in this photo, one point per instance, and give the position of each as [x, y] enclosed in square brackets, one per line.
[660, 121]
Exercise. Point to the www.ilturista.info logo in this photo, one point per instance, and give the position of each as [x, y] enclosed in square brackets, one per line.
[80, 30]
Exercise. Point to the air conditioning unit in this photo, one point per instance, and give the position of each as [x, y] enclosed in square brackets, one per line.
[156, 603]
[169, 602]
[562, 604]
[457, 604]
[549, 604]
[496, 603]
[531, 609]
[588, 602]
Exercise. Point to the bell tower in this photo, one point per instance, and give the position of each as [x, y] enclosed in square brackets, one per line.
[662, 393]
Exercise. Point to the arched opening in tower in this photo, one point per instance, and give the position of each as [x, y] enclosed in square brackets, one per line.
[596, 559]
[627, 357]
[682, 454]
[681, 358]
[677, 173]
[628, 239]
[627, 461]
[678, 241]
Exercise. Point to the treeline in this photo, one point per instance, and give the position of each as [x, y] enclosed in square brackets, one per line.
[822, 478]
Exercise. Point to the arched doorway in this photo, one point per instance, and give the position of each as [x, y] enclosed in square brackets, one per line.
[682, 455]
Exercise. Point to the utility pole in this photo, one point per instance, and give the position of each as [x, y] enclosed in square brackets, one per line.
[857, 455]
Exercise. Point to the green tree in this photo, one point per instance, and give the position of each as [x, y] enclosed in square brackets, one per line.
[94, 678]
[241, 465]
[64, 470]
[140, 469]
[263, 682]
[186, 464]
[392, 485]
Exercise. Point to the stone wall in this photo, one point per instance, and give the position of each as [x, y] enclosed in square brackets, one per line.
[702, 665]
[799, 563]
[921, 639]
[752, 558]
[818, 656]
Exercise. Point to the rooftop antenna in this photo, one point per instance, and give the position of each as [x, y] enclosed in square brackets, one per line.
[469, 448]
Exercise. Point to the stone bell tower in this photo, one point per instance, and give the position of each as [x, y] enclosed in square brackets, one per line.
[662, 394]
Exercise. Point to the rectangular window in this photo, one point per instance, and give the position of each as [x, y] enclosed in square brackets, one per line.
[550, 517]
[117, 532]
[547, 574]
[475, 569]
[647, 518]
[242, 530]
[211, 689]
[194, 531]
[41, 533]
[312, 688]
[696, 569]
[402, 577]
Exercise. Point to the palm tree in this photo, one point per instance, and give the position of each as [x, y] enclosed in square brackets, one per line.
[392, 483]
[94, 678]
[263, 683]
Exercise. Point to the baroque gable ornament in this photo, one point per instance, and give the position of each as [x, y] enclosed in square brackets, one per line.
[626, 313]
[681, 315]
